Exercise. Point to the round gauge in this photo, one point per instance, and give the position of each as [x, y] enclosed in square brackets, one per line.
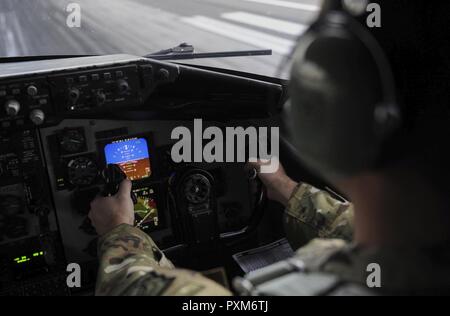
[197, 188]
[72, 141]
[82, 171]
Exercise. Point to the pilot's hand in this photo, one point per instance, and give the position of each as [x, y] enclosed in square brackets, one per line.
[279, 185]
[109, 212]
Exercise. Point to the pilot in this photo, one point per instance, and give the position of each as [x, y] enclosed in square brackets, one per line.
[369, 114]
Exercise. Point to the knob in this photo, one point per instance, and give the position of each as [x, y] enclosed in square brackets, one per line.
[37, 117]
[123, 86]
[32, 91]
[12, 107]
[74, 94]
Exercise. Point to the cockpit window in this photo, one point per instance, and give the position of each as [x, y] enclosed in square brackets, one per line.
[140, 27]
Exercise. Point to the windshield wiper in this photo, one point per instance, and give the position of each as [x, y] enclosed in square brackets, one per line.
[180, 52]
[186, 51]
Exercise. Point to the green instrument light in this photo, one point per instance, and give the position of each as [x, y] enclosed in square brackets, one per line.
[24, 259]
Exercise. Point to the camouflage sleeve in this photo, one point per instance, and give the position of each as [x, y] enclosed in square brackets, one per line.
[312, 213]
[132, 264]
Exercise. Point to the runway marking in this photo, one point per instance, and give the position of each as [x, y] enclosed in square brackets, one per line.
[288, 4]
[278, 45]
[265, 22]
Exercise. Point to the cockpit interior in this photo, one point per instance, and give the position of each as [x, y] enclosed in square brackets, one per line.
[64, 120]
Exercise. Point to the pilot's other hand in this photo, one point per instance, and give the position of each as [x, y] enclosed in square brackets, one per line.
[279, 185]
[109, 212]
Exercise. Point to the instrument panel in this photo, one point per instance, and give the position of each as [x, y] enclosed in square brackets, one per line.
[77, 176]
[177, 204]
[62, 122]
[44, 92]
[39, 93]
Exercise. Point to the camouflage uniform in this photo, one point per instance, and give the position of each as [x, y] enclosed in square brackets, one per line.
[312, 213]
[131, 263]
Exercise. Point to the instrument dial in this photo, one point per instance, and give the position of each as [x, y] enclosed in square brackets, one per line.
[197, 188]
[82, 171]
[72, 141]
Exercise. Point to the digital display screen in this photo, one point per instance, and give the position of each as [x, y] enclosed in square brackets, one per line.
[146, 210]
[132, 156]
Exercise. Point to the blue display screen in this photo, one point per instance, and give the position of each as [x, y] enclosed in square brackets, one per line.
[131, 155]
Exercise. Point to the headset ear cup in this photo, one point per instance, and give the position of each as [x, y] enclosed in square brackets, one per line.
[343, 106]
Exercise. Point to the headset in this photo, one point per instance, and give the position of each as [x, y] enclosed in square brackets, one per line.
[343, 106]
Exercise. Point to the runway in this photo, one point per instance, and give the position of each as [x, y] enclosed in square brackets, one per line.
[30, 27]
